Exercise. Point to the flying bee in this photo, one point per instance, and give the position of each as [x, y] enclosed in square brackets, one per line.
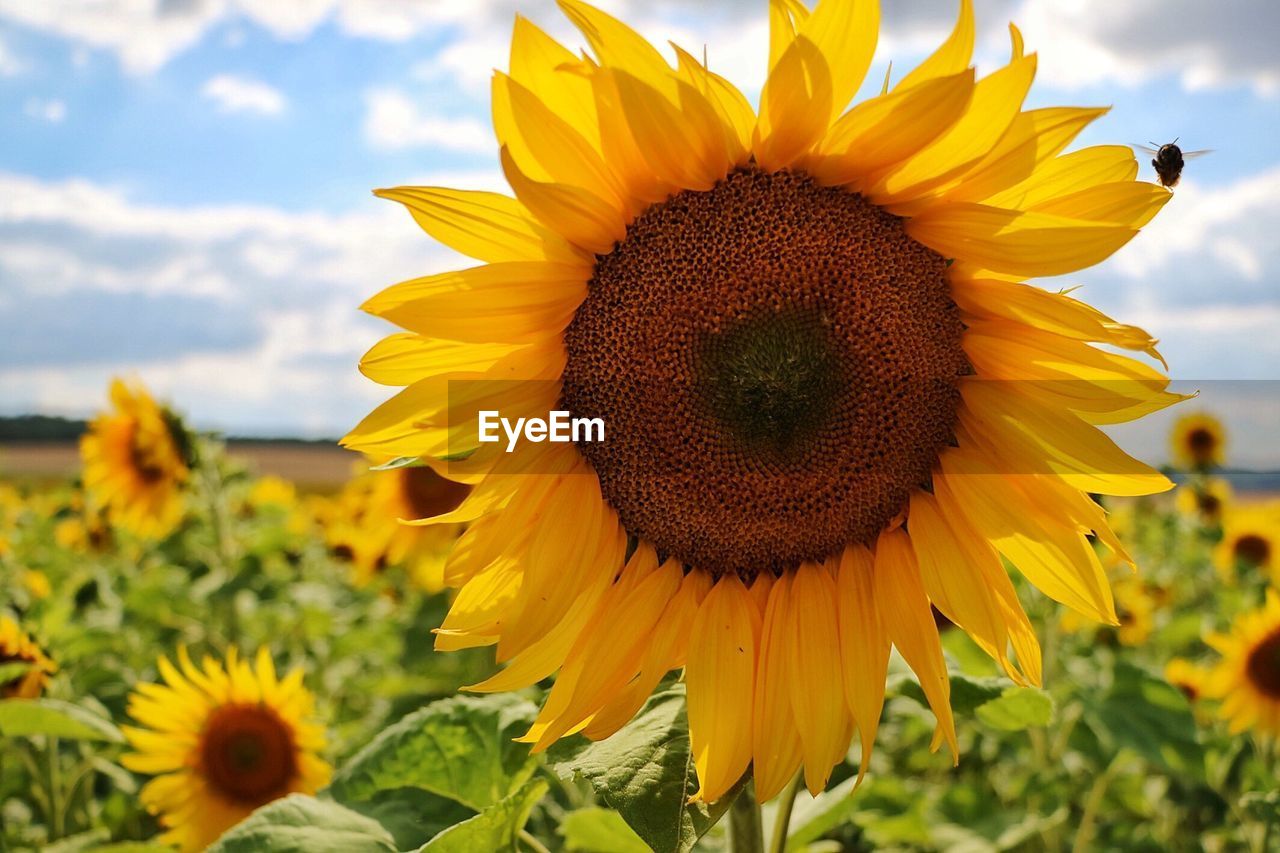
[1169, 160]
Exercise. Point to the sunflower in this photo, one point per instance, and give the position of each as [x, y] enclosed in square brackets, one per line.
[222, 741]
[1136, 603]
[1204, 500]
[366, 528]
[1250, 539]
[16, 647]
[1247, 678]
[136, 461]
[1188, 677]
[831, 400]
[1198, 441]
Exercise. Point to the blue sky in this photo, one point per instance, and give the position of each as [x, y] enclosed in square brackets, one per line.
[184, 184]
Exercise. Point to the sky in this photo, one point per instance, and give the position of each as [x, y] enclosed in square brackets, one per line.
[184, 184]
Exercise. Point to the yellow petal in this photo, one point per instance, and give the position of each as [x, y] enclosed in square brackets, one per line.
[1132, 203]
[482, 225]
[1070, 173]
[889, 129]
[997, 98]
[618, 46]
[817, 686]
[951, 57]
[574, 213]
[733, 108]
[776, 750]
[721, 684]
[536, 61]
[864, 646]
[1020, 243]
[904, 607]
[515, 302]
[784, 17]
[402, 359]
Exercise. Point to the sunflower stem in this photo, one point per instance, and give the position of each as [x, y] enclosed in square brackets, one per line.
[746, 828]
[782, 822]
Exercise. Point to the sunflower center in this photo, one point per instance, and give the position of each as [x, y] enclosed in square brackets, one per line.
[1202, 442]
[1210, 505]
[1263, 665]
[247, 753]
[1253, 549]
[145, 458]
[427, 494]
[776, 366]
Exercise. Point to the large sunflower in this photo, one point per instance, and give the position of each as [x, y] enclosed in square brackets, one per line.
[222, 742]
[1198, 441]
[1247, 678]
[17, 647]
[136, 460]
[830, 399]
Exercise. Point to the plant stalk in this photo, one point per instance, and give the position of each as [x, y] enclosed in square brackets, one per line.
[746, 829]
[782, 822]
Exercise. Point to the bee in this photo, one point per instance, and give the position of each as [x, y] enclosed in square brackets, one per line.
[1169, 160]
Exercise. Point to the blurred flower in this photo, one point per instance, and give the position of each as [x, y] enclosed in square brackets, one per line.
[273, 491]
[1204, 500]
[1198, 441]
[136, 461]
[36, 582]
[16, 647]
[84, 533]
[1247, 678]
[1188, 677]
[1136, 604]
[1250, 539]
[366, 525]
[222, 741]
[794, 322]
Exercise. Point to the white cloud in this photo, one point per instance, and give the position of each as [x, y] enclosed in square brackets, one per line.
[235, 94]
[393, 120]
[245, 316]
[51, 110]
[10, 65]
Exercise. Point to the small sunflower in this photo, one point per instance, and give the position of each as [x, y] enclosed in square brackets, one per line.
[17, 647]
[136, 461]
[1250, 539]
[1188, 677]
[1136, 604]
[831, 399]
[222, 741]
[1204, 500]
[1247, 678]
[273, 491]
[1198, 441]
[367, 528]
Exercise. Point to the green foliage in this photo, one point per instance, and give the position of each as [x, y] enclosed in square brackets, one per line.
[50, 717]
[494, 828]
[646, 773]
[299, 824]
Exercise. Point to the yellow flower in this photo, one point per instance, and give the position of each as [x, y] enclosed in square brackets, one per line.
[368, 529]
[17, 647]
[1198, 441]
[1247, 678]
[135, 462]
[1250, 539]
[36, 582]
[273, 491]
[222, 741]
[830, 398]
[1136, 604]
[1204, 500]
[1188, 677]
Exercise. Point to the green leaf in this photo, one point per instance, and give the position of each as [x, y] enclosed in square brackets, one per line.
[814, 818]
[13, 670]
[459, 748]
[597, 830]
[398, 462]
[26, 717]
[1016, 709]
[645, 773]
[967, 693]
[132, 847]
[301, 824]
[495, 828]
[412, 816]
[1151, 717]
[1263, 807]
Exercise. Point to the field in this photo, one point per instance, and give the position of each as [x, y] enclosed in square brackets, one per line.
[278, 549]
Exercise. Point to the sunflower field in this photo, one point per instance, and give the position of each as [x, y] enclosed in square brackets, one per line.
[838, 553]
